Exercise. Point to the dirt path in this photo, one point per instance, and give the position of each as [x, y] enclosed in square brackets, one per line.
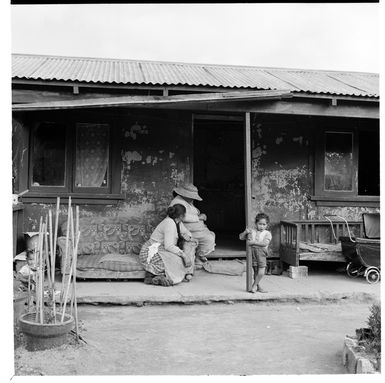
[203, 339]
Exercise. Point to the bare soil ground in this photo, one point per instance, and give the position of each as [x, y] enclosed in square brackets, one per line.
[240, 339]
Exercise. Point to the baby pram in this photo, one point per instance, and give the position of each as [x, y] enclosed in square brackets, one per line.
[363, 254]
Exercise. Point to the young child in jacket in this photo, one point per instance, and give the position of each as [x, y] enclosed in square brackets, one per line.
[258, 239]
[28, 271]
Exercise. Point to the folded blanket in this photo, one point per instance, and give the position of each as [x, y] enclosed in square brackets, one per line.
[234, 267]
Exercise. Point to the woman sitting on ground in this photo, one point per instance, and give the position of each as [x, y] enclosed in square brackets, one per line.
[165, 263]
[193, 220]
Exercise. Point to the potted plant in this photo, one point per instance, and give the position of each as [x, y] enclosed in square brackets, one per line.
[47, 324]
[49, 334]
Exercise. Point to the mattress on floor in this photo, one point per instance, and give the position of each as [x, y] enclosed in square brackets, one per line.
[89, 262]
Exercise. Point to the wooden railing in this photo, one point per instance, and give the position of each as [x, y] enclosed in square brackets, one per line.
[312, 232]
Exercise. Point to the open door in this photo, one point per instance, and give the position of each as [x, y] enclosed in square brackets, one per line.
[220, 176]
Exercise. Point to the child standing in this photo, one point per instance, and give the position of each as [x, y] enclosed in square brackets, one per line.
[258, 239]
[28, 271]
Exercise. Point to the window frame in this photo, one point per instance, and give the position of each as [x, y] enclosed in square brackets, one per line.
[46, 188]
[92, 195]
[320, 164]
[336, 197]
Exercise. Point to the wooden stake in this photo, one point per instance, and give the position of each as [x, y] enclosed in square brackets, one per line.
[72, 232]
[36, 289]
[29, 291]
[47, 261]
[73, 253]
[53, 254]
[35, 265]
[66, 249]
[41, 276]
[37, 259]
[74, 278]
[46, 255]
[50, 237]
[68, 285]
[72, 302]
[56, 222]
[69, 260]
[55, 234]
[38, 293]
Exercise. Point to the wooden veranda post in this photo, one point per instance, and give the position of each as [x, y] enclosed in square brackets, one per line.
[247, 151]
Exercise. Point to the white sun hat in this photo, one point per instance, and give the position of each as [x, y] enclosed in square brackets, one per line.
[188, 191]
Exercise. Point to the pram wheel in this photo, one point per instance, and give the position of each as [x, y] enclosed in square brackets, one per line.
[372, 275]
[352, 270]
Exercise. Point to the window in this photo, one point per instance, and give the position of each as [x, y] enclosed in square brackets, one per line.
[348, 165]
[49, 155]
[338, 161]
[92, 156]
[73, 159]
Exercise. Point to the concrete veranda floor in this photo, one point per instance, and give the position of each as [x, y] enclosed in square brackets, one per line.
[319, 286]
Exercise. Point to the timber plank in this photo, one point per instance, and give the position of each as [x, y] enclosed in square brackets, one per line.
[327, 256]
[153, 101]
[24, 96]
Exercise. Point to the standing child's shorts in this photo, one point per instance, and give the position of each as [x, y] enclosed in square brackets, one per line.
[259, 255]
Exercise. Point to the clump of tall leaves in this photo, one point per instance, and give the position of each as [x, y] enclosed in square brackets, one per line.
[373, 343]
[370, 338]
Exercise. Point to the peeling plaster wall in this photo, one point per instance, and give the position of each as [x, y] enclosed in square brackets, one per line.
[155, 150]
[282, 172]
[156, 157]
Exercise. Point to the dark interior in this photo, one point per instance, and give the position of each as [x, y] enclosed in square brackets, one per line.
[369, 163]
[219, 175]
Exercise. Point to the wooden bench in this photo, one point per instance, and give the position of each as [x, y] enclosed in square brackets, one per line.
[313, 240]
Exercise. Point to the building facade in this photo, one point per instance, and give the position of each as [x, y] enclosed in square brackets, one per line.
[118, 135]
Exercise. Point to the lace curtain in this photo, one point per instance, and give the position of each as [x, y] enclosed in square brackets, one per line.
[339, 161]
[92, 153]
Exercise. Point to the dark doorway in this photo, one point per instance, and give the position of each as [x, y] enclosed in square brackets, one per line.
[369, 163]
[219, 175]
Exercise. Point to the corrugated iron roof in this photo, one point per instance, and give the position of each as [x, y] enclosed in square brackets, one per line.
[118, 71]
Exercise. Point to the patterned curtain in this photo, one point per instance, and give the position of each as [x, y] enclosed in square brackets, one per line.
[92, 153]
